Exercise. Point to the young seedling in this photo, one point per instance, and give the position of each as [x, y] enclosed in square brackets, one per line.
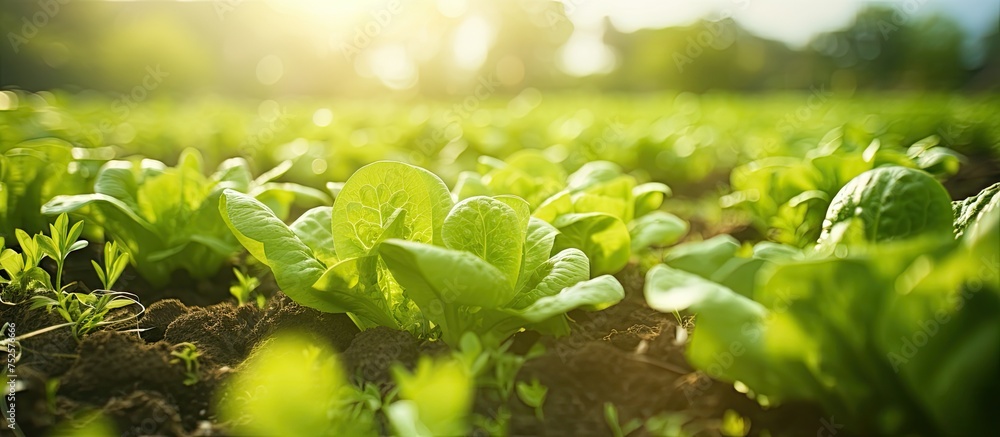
[436, 399]
[734, 425]
[23, 273]
[674, 424]
[61, 243]
[51, 389]
[244, 288]
[115, 261]
[84, 312]
[495, 371]
[533, 395]
[188, 353]
[617, 429]
[369, 400]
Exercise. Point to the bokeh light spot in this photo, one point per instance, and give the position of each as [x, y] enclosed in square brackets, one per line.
[322, 117]
[270, 69]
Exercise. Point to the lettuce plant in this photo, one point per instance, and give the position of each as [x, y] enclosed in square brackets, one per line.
[893, 335]
[495, 274]
[166, 218]
[598, 209]
[888, 203]
[396, 251]
[31, 173]
[787, 197]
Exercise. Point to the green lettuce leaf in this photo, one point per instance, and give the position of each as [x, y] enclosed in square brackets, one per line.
[604, 238]
[277, 246]
[374, 193]
[657, 228]
[702, 258]
[313, 229]
[469, 280]
[892, 203]
[489, 229]
[970, 210]
[649, 197]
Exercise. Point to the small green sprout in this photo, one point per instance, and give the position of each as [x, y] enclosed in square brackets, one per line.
[30, 248]
[61, 243]
[188, 353]
[23, 275]
[734, 425]
[51, 389]
[533, 395]
[84, 312]
[369, 400]
[115, 261]
[617, 429]
[244, 288]
[674, 424]
[435, 399]
[494, 369]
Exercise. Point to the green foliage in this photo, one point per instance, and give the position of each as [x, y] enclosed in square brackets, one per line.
[702, 257]
[675, 424]
[886, 204]
[657, 228]
[30, 173]
[788, 197]
[533, 395]
[617, 428]
[51, 389]
[23, 275]
[115, 261]
[500, 277]
[892, 337]
[434, 400]
[290, 386]
[395, 230]
[340, 271]
[188, 354]
[598, 209]
[62, 241]
[973, 208]
[733, 424]
[84, 312]
[527, 174]
[166, 218]
[495, 371]
[244, 287]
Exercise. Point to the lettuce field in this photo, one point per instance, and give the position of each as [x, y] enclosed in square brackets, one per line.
[525, 253]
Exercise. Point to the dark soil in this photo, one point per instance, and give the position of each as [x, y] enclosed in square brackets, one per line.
[625, 355]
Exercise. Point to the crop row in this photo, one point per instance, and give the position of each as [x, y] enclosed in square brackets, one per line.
[873, 294]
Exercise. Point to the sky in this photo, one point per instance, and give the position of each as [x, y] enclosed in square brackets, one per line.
[791, 21]
[794, 22]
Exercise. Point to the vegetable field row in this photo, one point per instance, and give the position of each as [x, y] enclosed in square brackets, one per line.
[671, 265]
